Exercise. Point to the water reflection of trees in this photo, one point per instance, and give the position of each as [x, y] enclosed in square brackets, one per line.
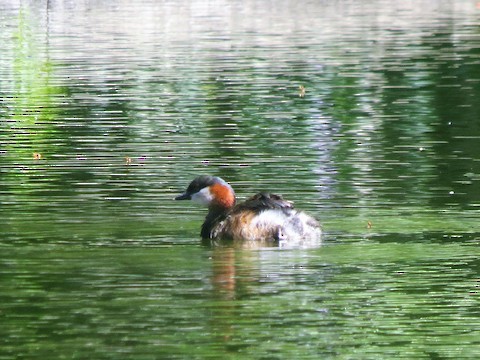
[410, 138]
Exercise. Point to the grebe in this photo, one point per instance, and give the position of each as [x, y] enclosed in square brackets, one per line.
[264, 218]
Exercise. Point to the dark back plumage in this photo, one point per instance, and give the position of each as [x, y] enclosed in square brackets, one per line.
[263, 201]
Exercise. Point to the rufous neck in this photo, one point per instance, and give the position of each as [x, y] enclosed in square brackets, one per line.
[223, 197]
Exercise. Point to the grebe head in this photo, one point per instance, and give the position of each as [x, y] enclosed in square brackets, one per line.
[209, 191]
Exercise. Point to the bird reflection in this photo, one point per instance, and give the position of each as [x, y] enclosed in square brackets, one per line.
[235, 277]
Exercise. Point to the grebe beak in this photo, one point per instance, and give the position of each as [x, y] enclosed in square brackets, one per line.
[184, 196]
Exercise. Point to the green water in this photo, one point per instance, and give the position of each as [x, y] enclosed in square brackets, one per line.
[108, 110]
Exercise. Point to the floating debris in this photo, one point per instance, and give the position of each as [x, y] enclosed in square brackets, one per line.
[369, 224]
[37, 156]
[301, 91]
[128, 160]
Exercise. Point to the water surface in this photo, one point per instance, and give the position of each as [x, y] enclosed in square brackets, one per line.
[108, 110]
